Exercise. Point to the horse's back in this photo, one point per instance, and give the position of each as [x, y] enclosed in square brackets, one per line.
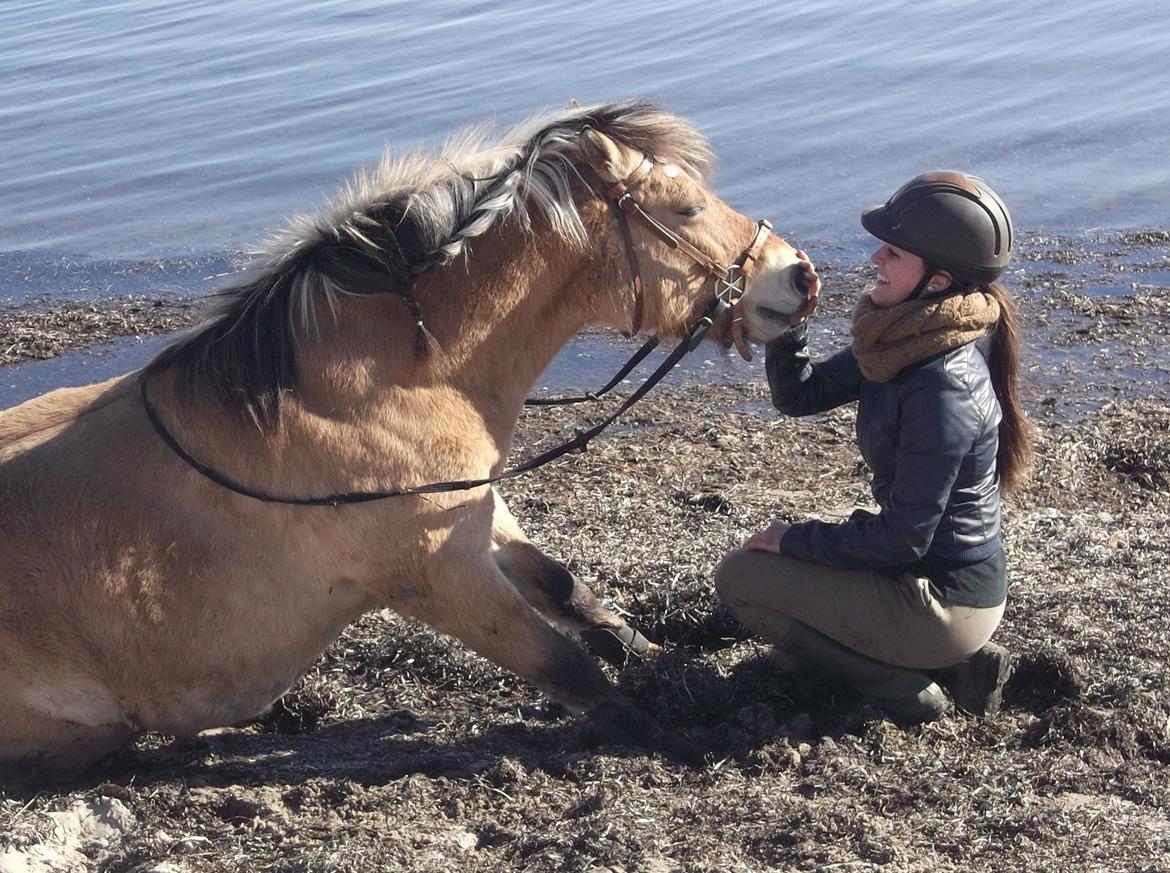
[44, 415]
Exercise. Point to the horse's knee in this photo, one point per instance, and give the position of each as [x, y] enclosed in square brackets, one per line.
[550, 588]
[529, 568]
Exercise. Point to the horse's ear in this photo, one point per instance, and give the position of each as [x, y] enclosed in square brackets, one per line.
[609, 159]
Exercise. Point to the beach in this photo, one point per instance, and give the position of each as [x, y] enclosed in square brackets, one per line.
[401, 750]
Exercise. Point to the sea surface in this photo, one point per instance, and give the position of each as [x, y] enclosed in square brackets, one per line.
[144, 144]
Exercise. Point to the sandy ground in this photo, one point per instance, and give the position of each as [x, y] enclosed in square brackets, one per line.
[400, 750]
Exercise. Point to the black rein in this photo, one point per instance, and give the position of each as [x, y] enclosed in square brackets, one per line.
[578, 443]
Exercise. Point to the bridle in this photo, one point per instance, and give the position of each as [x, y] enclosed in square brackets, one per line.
[730, 285]
[730, 282]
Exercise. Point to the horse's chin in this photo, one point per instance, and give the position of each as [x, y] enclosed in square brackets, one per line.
[762, 323]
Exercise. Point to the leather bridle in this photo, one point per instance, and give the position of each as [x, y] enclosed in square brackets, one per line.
[730, 282]
[730, 285]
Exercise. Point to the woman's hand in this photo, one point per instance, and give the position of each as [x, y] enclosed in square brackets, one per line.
[768, 540]
[809, 280]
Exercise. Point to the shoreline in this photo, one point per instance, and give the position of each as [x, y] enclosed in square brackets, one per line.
[1095, 320]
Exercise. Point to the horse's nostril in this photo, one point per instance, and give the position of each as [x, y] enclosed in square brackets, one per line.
[803, 282]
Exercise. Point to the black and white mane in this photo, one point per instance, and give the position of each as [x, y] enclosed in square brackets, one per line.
[390, 225]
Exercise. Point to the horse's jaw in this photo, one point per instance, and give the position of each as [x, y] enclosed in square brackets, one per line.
[772, 302]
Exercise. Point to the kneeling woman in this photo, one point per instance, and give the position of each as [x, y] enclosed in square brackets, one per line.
[900, 602]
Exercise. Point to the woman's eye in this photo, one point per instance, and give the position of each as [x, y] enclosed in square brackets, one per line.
[691, 211]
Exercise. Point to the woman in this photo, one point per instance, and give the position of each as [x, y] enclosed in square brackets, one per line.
[900, 602]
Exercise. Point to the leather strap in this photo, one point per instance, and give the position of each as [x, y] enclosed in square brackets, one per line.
[578, 443]
[746, 264]
[619, 189]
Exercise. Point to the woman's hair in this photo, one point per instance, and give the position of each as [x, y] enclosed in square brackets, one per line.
[1015, 431]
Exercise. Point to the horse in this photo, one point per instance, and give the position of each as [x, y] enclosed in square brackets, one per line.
[159, 567]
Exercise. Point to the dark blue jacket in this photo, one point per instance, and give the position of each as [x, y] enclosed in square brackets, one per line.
[930, 437]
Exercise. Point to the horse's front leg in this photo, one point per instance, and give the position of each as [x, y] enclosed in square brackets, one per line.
[559, 595]
[473, 600]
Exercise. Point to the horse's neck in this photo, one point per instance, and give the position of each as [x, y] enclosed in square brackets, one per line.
[497, 319]
[517, 321]
[369, 408]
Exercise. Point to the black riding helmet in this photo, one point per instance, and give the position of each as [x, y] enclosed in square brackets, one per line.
[951, 220]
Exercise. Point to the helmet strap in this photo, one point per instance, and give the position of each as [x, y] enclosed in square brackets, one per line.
[920, 288]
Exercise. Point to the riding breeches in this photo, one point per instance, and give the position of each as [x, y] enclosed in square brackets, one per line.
[893, 618]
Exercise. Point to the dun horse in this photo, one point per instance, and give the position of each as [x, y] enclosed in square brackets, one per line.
[386, 344]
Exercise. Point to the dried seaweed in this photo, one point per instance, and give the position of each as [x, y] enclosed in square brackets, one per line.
[402, 750]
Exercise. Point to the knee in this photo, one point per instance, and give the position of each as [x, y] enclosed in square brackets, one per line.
[730, 575]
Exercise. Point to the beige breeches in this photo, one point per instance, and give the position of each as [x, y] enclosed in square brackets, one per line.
[891, 618]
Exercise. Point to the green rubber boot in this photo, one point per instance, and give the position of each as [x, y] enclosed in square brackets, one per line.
[977, 683]
[908, 696]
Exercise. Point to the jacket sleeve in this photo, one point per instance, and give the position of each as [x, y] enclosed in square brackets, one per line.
[937, 426]
[800, 387]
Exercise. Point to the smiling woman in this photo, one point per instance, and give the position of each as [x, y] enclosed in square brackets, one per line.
[898, 274]
[900, 602]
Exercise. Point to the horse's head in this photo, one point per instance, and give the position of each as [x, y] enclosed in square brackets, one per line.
[687, 244]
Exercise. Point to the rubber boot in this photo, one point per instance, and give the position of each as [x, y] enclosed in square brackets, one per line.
[908, 696]
[976, 684]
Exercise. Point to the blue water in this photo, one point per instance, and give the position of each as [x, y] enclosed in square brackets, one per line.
[145, 128]
[143, 143]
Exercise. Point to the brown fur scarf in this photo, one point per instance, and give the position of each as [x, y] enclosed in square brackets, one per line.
[886, 340]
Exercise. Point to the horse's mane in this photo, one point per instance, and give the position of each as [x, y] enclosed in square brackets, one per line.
[391, 224]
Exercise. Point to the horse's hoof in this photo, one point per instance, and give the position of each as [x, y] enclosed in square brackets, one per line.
[615, 645]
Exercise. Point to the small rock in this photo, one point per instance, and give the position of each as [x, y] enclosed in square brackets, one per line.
[464, 839]
[98, 820]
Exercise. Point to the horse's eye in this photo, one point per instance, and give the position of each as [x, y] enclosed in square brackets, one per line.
[691, 212]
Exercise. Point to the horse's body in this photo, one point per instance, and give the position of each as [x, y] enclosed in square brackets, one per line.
[136, 594]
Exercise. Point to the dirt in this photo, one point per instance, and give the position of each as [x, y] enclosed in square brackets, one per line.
[401, 750]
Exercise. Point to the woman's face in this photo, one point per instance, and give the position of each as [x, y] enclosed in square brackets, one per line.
[898, 273]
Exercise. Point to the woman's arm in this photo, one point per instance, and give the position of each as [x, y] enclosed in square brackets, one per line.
[800, 387]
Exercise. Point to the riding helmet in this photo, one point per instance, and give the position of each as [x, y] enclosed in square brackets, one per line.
[951, 220]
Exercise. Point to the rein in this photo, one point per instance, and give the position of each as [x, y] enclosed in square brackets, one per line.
[731, 283]
[578, 443]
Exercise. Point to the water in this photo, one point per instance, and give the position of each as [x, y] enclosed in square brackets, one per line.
[146, 128]
[144, 142]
